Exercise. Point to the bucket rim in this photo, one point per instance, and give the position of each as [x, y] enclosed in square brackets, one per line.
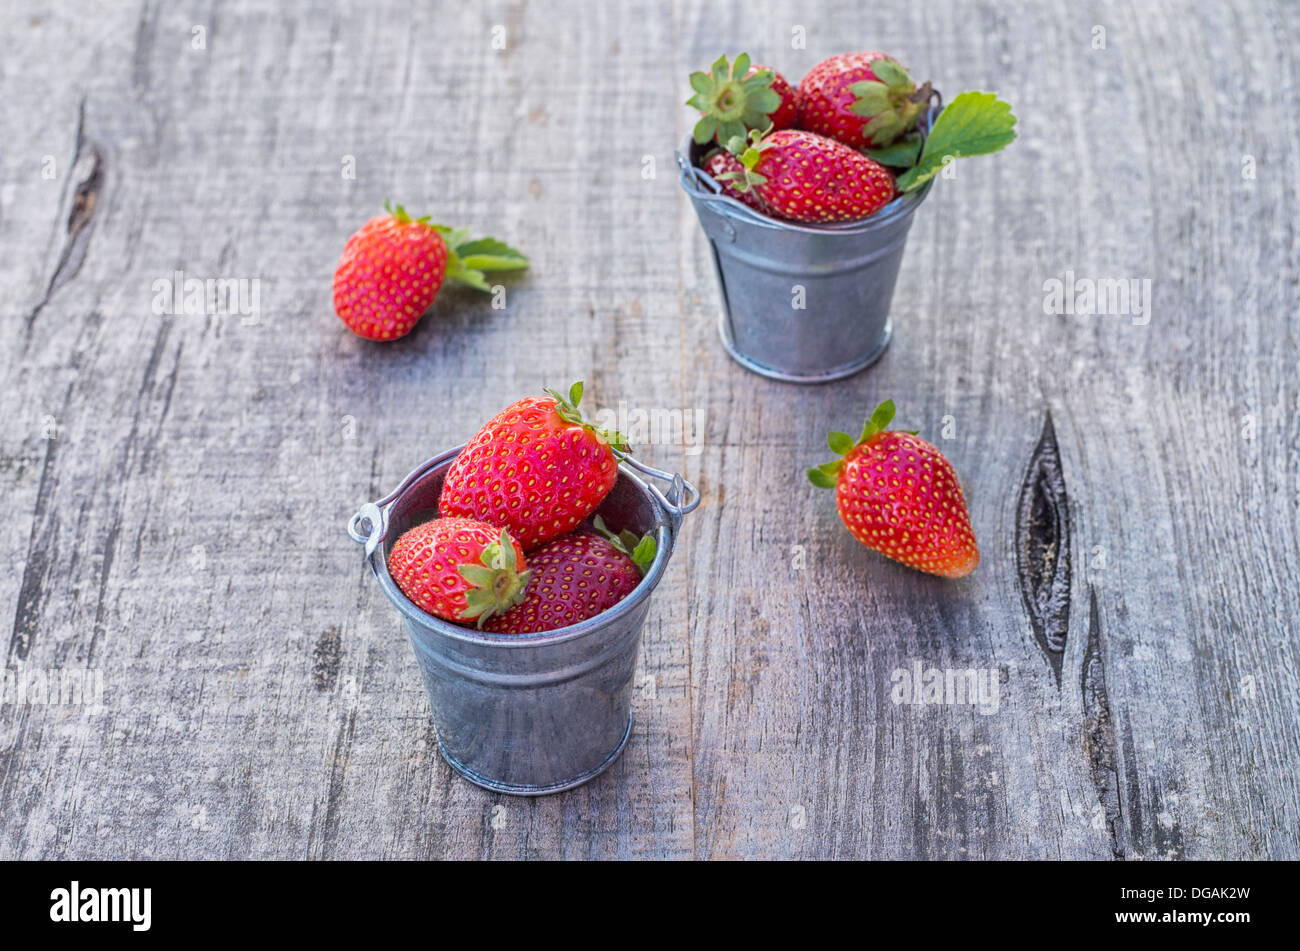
[664, 539]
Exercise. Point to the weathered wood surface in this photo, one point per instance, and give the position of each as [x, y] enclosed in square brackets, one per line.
[176, 486]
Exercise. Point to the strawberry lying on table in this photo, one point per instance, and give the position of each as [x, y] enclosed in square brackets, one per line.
[393, 267]
[899, 496]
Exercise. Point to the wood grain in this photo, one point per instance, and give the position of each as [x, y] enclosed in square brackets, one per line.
[178, 485]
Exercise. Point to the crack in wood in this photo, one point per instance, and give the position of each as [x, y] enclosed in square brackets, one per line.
[1099, 730]
[85, 202]
[1043, 547]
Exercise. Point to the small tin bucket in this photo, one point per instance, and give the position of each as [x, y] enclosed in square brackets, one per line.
[529, 714]
[801, 303]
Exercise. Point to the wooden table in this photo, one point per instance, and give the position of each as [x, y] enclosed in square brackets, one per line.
[177, 484]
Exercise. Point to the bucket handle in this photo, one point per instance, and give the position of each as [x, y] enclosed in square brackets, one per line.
[682, 498]
[369, 525]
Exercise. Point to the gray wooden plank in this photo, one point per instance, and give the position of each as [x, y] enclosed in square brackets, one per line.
[182, 529]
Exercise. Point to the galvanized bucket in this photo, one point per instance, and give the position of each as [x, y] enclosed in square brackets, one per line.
[529, 714]
[801, 303]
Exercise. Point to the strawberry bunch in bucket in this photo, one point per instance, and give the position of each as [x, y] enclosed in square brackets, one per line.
[850, 138]
[516, 547]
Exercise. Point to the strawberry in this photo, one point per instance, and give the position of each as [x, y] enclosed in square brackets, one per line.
[459, 569]
[737, 98]
[807, 177]
[861, 99]
[575, 577]
[726, 171]
[535, 469]
[899, 496]
[393, 267]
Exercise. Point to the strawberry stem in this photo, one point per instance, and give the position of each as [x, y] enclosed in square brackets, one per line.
[824, 476]
[730, 102]
[640, 550]
[567, 408]
[496, 583]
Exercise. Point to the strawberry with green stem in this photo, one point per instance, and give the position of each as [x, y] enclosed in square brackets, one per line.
[898, 495]
[861, 99]
[738, 97]
[729, 173]
[807, 177]
[537, 468]
[459, 569]
[393, 267]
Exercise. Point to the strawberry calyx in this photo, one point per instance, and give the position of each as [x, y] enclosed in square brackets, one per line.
[567, 408]
[731, 101]
[468, 259]
[640, 550]
[824, 475]
[891, 103]
[749, 150]
[497, 584]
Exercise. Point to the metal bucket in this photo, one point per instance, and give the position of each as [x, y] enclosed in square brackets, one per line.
[846, 272]
[529, 714]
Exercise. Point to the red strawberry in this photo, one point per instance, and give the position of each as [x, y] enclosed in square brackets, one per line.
[726, 171]
[737, 98]
[459, 569]
[535, 468]
[393, 267]
[861, 99]
[807, 177]
[899, 496]
[576, 577]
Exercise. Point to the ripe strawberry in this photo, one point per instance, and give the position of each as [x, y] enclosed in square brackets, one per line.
[737, 98]
[861, 99]
[575, 577]
[807, 177]
[726, 171]
[393, 267]
[899, 496]
[535, 468]
[459, 569]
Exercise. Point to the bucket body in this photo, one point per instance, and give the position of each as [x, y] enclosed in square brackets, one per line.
[801, 303]
[528, 714]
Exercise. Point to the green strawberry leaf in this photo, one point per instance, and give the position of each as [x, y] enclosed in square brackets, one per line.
[873, 98]
[891, 73]
[489, 254]
[644, 553]
[820, 479]
[457, 271]
[705, 129]
[452, 237]
[840, 443]
[880, 417]
[765, 100]
[975, 123]
[477, 575]
[641, 551]
[902, 154]
[467, 260]
[575, 394]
